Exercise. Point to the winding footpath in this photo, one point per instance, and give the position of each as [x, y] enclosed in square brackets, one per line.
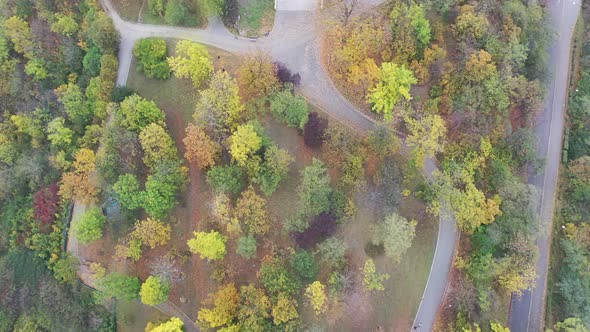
[527, 312]
[293, 42]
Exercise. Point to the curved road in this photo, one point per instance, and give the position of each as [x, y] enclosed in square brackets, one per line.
[293, 42]
[527, 312]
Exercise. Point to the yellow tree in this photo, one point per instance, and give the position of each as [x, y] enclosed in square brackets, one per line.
[251, 210]
[316, 295]
[78, 184]
[151, 232]
[284, 310]
[193, 61]
[427, 134]
[209, 245]
[224, 307]
[393, 86]
[243, 143]
[257, 76]
[201, 150]
[157, 145]
[19, 32]
[174, 324]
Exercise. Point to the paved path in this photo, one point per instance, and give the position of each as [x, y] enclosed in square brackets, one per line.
[528, 311]
[293, 42]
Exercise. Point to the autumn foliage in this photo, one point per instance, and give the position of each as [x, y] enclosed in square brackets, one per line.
[45, 203]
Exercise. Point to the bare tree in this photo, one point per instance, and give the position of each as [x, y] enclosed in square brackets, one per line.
[342, 9]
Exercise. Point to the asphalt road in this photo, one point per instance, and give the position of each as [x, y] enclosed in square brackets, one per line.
[527, 312]
[293, 42]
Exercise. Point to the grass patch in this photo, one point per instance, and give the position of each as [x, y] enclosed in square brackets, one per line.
[256, 17]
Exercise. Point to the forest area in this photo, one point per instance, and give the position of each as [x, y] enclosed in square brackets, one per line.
[209, 194]
[570, 290]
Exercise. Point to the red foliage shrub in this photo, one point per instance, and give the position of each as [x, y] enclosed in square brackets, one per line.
[323, 226]
[45, 203]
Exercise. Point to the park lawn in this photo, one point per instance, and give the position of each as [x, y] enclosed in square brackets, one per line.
[256, 17]
[395, 307]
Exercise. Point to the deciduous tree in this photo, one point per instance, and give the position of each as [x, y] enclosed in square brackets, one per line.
[289, 108]
[395, 233]
[393, 86]
[209, 245]
[151, 54]
[224, 307]
[257, 75]
[200, 148]
[154, 291]
[316, 295]
[191, 61]
[314, 190]
[157, 145]
[251, 210]
[90, 225]
[136, 113]
[244, 142]
[371, 279]
[174, 324]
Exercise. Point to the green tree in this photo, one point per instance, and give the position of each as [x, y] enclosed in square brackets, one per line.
[371, 279]
[393, 86]
[246, 246]
[64, 25]
[127, 191]
[226, 179]
[58, 134]
[192, 60]
[90, 225]
[36, 69]
[176, 12]
[119, 286]
[304, 264]
[470, 25]
[19, 33]
[314, 190]
[103, 34]
[219, 107]
[75, 105]
[154, 291]
[161, 187]
[333, 252]
[66, 269]
[289, 108]
[157, 7]
[316, 295]
[572, 324]
[395, 233]
[276, 278]
[151, 54]
[244, 142]
[91, 61]
[274, 169]
[209, 245]
[135, 113]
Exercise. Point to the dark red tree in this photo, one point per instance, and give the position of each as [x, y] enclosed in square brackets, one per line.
[314, 130]
[45, 203]
[284, 75]
[323, 226]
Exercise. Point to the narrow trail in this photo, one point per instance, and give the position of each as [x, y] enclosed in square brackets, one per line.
[294, 42]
